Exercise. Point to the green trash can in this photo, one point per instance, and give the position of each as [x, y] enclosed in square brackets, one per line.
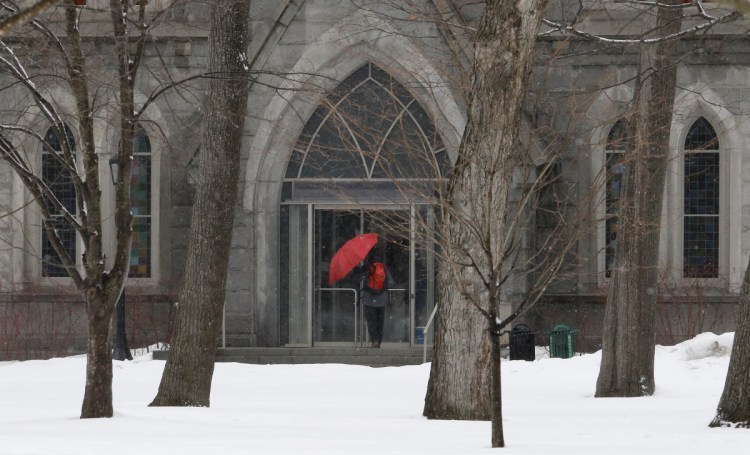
[562, 342]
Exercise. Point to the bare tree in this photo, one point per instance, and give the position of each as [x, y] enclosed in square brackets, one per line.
[187, 376]
[476, 218]
[479, 241]
[99, 280]
[628, 343]
[734, 407]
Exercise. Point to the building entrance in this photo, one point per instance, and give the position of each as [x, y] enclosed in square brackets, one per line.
[315, 313]
[368, 159]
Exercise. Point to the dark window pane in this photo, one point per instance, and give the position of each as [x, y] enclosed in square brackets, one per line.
[701, 136]
[701, 247]
[140, 186]
[53, 140]
[615, 170]
[348, 84]
[60, 182]
[443, 162]
[369, 111]
[391, 85]
[295, 162]
[425, 124]
[617, 137]
[140, 207]
[615, 173]
[701, 202]
[404, 153]
[333, 154]
[51, 263]
[701, 184]
[140, 250]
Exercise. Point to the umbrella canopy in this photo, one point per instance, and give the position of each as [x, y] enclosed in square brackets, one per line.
[349, 255]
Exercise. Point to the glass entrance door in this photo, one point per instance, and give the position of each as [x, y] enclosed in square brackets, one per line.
[335, 312]
[337, 315]
[314, 313]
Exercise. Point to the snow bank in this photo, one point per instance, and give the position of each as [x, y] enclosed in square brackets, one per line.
[704, 345]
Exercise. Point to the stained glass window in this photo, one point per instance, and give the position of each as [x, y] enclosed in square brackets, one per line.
[701, 202]
[140, 207]
[57, 177]
[615, 168]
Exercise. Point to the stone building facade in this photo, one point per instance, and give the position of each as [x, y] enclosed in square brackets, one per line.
[355, 117]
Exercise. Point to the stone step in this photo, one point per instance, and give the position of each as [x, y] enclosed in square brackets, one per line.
[294, 356]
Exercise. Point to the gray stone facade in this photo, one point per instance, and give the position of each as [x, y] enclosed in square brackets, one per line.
[302, 49]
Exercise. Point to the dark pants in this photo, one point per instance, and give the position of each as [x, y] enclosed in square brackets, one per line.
[375, 317]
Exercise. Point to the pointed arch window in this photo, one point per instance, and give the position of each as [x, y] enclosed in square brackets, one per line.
[701, 201]
[615, 169]
[140, 206]
[57, 176]
[370, 127]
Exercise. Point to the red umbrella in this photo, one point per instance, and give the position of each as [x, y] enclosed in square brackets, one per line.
[349, 255]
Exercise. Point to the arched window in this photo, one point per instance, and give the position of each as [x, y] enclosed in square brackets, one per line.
[615, 168]
[701, 202]
[140, 206]
[368, 128]
[58, 178]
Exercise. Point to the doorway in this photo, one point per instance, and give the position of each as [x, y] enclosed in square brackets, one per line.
[314, 313]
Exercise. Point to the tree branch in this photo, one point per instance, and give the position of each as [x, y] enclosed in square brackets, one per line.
[24, 16]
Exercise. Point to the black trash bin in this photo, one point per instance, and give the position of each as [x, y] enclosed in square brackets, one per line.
[522, 346]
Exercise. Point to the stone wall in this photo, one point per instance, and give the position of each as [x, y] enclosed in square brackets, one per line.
[301, 49]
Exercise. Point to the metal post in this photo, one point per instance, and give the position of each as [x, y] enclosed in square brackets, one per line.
[426, 331]
[121, 350]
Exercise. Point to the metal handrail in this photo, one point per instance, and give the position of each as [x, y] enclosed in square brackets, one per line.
[426, 331]
[358, 315]
[356, 311]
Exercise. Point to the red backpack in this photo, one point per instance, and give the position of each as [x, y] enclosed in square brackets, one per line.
[377, 276]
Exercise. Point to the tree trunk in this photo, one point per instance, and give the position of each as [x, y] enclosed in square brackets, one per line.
[734, 405]
[459, 384]
[97, 398]
[474, 212]
[628, 342]
[186, 380]
[498, 439]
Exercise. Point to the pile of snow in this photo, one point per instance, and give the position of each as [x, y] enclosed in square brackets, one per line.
[705, 345]
[549, 408]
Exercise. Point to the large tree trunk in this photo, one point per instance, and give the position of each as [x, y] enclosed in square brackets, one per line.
[734, 405]
[186, 380]
[475, 238]
[458, 387]
[628, 342]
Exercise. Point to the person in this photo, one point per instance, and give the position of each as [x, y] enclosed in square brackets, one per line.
[375, 300]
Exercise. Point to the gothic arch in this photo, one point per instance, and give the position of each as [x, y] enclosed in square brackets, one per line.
[333, 56]
[692, 103]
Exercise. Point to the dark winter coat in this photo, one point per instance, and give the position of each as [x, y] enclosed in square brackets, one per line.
[373, 298]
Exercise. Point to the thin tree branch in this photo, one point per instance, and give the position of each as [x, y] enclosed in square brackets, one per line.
[23, 16]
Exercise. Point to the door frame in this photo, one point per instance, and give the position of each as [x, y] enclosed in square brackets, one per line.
[360, 328]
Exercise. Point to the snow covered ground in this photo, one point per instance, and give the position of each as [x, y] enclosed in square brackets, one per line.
[549, 408]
